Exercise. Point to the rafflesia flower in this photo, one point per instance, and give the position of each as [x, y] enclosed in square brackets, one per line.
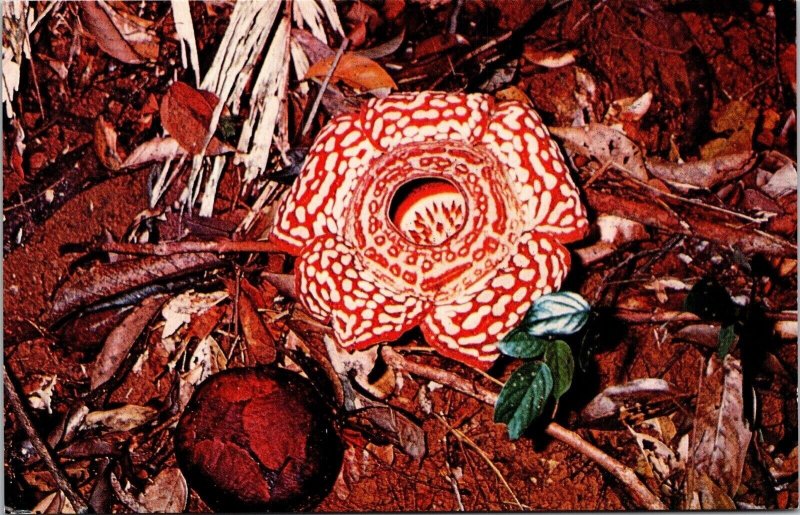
[444, 211]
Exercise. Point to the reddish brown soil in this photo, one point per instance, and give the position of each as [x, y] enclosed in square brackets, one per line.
[696, 60]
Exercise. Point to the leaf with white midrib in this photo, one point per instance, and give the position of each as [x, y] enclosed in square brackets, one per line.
[557, 313]
[720, 437]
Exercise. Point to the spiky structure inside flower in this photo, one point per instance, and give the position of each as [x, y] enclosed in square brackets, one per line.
[441, 210]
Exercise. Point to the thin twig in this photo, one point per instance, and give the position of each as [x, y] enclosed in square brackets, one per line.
[453, 28]
[324, 86]
[40, 446]
[483, 48]
[643, 497]
[184, 247]
[461, 436]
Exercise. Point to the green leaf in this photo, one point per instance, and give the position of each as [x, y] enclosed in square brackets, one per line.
[559, 358]
[523, 397]
[557, 313]
[519, 344]
[725, 340]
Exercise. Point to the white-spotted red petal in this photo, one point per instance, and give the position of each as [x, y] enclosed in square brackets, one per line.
[431, 199]
[314, 206]
[469, 329]
[428, 116]
[333, 285]
[537, 171]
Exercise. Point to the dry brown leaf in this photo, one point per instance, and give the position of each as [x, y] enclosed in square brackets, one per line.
[386, 423]
[121, 339]
[55, 502]
[384, 49]
[354, 70]
[167, 493]
[617, 230]
[606, 145]
[738, 121]
[107, 280]
[720, 436]
[549, 58]
[706, 173]
[186, 114]
[156, 149]
[121, 35]
[639, 392]
[260, 344]
[124, 418]
[105, 144]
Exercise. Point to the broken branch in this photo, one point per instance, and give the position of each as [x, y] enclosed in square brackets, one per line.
[640, 493]
[41, 448]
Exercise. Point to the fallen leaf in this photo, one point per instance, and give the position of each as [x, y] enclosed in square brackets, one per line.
[705, 173]
[101, 281]
[156, 149]
[186, 114]
[105, 144]
[121, 339]
[260, 344]
[618, 230]
[124, 37]
[782, 182]
[549, 58]
[720, 436]
[636, 394]
[167, 493]
[124, 418]
[629, 109]
[55, 502]
[354, 70]
[314, 49]
[357, 366]
[382, 424]
[384, 49]
[186, 307]
[738, 118]
[606, 145]
[662, 461]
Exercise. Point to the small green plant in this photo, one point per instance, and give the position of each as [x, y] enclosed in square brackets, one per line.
[551, 366]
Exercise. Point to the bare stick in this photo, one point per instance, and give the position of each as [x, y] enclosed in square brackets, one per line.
[41, 448]
[464, 438]
[324, 86]
[483, 48]
[184, 247]
[639, 492]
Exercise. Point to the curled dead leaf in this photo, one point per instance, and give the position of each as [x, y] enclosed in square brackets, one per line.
[120, 34]
[354, 70]
[186, 114]
[105, 144]
[606, 145]
[720, 436]
[550, 58]
[121, 339]
[167, 493]
[123, 418]
[156, 149]
[639, 392]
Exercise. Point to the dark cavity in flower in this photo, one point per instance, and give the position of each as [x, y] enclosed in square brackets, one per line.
[428, 210]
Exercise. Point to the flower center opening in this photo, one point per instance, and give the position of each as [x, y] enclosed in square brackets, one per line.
[428, 210]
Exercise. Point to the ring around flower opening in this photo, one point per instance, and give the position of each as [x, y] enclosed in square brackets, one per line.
[443, 211]
[427, 210]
